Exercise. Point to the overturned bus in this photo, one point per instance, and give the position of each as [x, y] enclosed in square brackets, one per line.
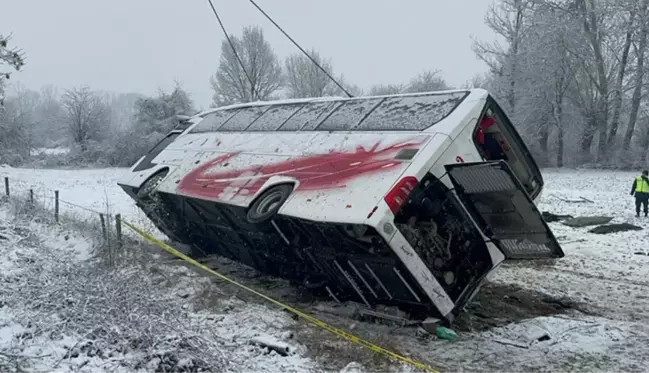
[407, 200]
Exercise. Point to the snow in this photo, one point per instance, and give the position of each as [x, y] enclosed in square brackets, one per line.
[82, 193]
[605, 275]
[602, 271]
[50, 151]
[62, 310]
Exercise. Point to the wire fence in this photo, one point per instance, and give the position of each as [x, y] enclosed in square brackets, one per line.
[49, 204]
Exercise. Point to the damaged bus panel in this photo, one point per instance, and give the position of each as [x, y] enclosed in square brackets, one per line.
[407, 200]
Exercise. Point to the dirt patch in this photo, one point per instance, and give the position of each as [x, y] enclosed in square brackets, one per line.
[615, 228]
[499, 304]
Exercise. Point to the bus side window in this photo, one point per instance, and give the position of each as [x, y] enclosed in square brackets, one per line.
[487, 141]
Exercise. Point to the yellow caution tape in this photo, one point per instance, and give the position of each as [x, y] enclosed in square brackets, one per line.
[313, 320]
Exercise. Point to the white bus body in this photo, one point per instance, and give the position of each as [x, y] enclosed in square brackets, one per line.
[381, 200]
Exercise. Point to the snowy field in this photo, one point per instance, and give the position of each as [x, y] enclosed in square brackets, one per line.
[82, 193]
[586, 312]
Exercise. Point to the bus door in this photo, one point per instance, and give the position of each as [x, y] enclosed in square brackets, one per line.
[503, 210]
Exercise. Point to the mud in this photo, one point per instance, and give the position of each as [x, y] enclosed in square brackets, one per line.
[498, 305]
[495, 305]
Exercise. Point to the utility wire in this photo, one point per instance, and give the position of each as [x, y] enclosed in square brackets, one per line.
[252, 85]
[300, 48]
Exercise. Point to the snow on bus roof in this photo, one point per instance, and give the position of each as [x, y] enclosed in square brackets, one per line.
[333, 99]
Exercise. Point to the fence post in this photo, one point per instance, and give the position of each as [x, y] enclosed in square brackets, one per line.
[103, 225]
[31, 196]
[7, 185]
[56, 206]
[118, 229]
[104, 233]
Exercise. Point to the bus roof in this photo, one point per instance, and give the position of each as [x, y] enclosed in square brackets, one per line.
[409, 111]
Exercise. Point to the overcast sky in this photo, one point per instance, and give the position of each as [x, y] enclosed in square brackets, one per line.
[141, 45]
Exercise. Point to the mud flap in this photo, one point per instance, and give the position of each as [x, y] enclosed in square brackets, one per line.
[503, 210]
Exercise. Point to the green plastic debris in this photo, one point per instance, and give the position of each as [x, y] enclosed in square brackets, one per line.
[445, 333]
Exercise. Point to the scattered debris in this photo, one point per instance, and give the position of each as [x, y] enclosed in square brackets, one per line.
[431, 325]
[585, 221]
[550, 217]
[615, 228]
[580, 200]
[272, 344]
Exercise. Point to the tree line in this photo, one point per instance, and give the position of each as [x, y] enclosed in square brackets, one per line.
[570, 73]
[109, 129]
[255, 73]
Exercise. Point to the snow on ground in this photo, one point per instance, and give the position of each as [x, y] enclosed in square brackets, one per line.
[82, 192]
[603, 279]
[61, 310]
[605, 272]
[50, 151]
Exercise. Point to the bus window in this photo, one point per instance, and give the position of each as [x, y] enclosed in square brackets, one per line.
[309, 116]
[411, 113]
[242, 119]
[348, 115]
[496, 139]
[213, 121]
[274, 117]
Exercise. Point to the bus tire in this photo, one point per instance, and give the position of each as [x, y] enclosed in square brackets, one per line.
[147, 190]
[265, 207]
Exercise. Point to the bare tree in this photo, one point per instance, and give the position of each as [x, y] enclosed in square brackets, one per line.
[427, 81]
[387, 89]
[478, 81]
[17, 120]
[353, 89]
[51, 127]
[13, 57]
[305, 79]
[507, 19]
[87, 115]
[260, 77]
[639, 78]
[159, 114]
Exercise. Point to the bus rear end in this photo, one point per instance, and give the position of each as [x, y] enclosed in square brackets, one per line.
[462, 211]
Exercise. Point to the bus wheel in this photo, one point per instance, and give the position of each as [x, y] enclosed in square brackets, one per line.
[268, 203]
[147, 190]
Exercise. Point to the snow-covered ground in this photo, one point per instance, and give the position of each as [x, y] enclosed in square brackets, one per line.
[593, 304]
[50, 151]
[82, 193]
[63, 310]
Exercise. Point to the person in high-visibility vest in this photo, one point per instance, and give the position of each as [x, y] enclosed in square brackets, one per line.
[640, 189]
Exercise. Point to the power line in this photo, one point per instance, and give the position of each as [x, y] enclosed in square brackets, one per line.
[300, 48]
[252, 85]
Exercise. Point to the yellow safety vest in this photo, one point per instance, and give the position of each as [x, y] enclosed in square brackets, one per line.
[641, 185]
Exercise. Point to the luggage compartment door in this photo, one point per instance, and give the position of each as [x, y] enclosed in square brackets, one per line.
[503, 210]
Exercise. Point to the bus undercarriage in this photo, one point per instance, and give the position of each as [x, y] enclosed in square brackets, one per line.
[353, 262]
[340, 261]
